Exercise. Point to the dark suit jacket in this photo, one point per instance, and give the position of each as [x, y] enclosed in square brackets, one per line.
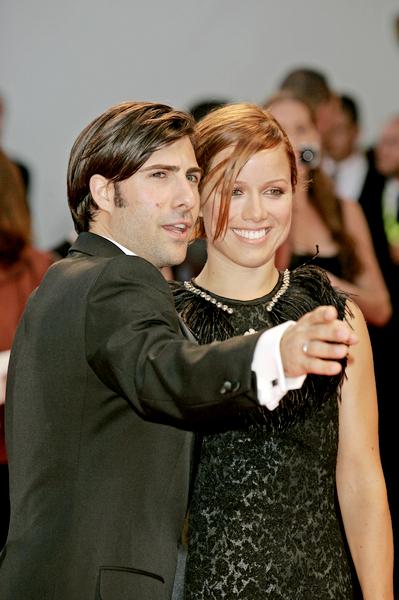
[102, 392]
[370, 200]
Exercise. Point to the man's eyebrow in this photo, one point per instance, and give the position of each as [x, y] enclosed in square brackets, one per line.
[161, 167]
[173, 168]
[196, 170]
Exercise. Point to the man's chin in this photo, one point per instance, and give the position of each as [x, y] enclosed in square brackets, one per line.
[177, 258]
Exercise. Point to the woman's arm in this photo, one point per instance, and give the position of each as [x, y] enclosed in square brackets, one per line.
[369, 289]
[360, 480]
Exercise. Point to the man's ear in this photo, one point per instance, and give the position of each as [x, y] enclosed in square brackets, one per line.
[102, 192]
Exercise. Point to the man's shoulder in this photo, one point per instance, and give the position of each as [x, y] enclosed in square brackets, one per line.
[132, 268]
[123, 275]
[96, 251]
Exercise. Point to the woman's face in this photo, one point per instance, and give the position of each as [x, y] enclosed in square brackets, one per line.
[296, 119]
[260, 210]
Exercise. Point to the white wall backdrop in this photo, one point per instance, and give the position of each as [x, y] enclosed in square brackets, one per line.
[62, 63]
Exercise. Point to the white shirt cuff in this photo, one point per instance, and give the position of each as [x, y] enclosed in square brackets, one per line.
[268, 367]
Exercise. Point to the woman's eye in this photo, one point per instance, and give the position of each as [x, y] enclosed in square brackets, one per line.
[236, 192]
[275, 191]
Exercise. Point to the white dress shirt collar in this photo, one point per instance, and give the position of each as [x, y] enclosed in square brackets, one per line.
[123, 248]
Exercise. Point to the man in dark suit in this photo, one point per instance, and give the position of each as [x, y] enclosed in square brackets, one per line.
[103, 387]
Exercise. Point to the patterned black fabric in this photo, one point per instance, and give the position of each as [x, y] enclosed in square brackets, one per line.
[263, 522]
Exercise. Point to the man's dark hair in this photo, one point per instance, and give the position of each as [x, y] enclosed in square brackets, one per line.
[350, 107]
[308, 84]
[115, 145]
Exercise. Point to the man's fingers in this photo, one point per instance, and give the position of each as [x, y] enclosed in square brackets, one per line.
[329, 313]
[321, 314]
[316, 343]
[319, 366]
[338, 333]
[325, 350]
[331, 328]
[346, 335]
[335, 331]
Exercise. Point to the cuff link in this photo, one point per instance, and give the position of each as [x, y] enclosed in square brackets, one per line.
[229, 386]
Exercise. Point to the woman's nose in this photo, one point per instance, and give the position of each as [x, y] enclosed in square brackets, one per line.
[255, 208]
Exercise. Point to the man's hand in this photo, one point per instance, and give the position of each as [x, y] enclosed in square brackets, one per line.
[316, 343]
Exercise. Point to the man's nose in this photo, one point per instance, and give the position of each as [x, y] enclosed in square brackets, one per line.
[187, 194]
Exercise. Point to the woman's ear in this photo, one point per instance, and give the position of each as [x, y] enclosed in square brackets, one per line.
[102, 192]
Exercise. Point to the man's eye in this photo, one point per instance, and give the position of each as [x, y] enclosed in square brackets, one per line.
[193, 177]
[159, 174]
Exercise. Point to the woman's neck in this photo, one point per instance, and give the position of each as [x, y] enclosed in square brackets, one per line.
[237, 282]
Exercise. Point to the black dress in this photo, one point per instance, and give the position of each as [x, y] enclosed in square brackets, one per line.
[263, 521]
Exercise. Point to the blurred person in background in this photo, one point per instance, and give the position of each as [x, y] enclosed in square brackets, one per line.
[320, 219]
[356, 178]
[22, 267]
[21, 166]
[337, 121]
[313, 86]
[371, 177]
[380, 200]
[344, 160]
[203, 107]
[387, 162]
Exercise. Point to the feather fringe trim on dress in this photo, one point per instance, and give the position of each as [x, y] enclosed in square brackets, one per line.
[309, 287]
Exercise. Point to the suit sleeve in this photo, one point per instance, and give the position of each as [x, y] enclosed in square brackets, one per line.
[135, 348]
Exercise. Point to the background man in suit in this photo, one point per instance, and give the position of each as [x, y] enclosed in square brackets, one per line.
[102, 385]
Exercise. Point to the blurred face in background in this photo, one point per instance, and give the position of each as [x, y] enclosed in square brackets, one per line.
[325, 114]
[341, 140]
[387, 149]
[296, 118]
